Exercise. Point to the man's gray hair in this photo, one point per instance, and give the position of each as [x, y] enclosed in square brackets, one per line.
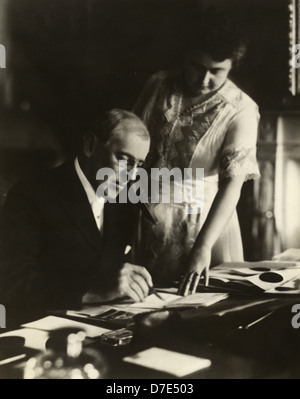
[106, 126]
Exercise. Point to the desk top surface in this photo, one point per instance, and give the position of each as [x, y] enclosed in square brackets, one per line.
[254, 341]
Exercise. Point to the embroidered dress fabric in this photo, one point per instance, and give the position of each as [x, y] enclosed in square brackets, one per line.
[219, 135]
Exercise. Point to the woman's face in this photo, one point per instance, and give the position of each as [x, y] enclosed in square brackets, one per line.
[202, 74]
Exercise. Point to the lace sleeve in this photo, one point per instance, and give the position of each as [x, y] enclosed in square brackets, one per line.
[241, 162]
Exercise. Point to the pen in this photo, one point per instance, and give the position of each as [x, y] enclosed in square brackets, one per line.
[153, 291]
[258, 320]
[249, 325]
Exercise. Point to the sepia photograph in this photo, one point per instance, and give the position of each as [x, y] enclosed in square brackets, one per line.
[149, 192]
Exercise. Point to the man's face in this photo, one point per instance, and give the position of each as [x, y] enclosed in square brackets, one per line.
[126, 144]
[202, 74]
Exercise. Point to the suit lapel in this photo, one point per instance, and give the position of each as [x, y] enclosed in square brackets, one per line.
[118, 224]
[76, 205]
[111, 218]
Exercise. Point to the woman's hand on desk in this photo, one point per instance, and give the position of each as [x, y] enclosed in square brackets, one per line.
[198, 266]
[131, 280]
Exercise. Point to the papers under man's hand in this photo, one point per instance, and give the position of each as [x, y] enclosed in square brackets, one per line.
[171, 301]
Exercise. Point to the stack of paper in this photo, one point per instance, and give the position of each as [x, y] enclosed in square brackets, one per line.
[170, 301]
[34, 339]
[266, 276]
[52, 323]
[105, 314]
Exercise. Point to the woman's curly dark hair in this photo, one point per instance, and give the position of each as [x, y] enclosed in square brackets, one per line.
[218, 33]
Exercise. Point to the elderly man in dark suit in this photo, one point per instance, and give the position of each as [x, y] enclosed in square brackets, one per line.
[61, 245]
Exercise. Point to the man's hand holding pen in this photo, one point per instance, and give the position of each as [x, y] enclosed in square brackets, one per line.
[134, 281]
[129, 281]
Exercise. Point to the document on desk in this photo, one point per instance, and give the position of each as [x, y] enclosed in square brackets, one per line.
[125, 310]
[291, 287]
[52, 323]
[253, 267]
[264, 276]
[171, 301]
[90, 311]
[34, 339]
[174, 363]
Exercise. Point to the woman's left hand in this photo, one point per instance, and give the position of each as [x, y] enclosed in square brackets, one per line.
[199, 263]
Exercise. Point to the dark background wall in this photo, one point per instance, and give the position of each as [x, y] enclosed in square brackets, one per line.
[67, 58]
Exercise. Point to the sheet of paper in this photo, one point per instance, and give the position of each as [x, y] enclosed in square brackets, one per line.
[34, 339]
[177, 301]
[269, 280]
[169, 290]
[265, 275]
[254, 266]
[51, 323]
[167, 361]
[199, 299]
[153, 302]
[90, 311]
[292, 287]
[226, 276]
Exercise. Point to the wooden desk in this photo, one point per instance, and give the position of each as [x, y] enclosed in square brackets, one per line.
[268, 348]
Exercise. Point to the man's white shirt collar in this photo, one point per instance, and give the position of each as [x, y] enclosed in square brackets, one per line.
[97, 204]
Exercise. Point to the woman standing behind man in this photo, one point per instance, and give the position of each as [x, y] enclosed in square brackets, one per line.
[198, 118]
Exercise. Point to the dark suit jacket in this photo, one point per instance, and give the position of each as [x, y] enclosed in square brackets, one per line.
[51, 249]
